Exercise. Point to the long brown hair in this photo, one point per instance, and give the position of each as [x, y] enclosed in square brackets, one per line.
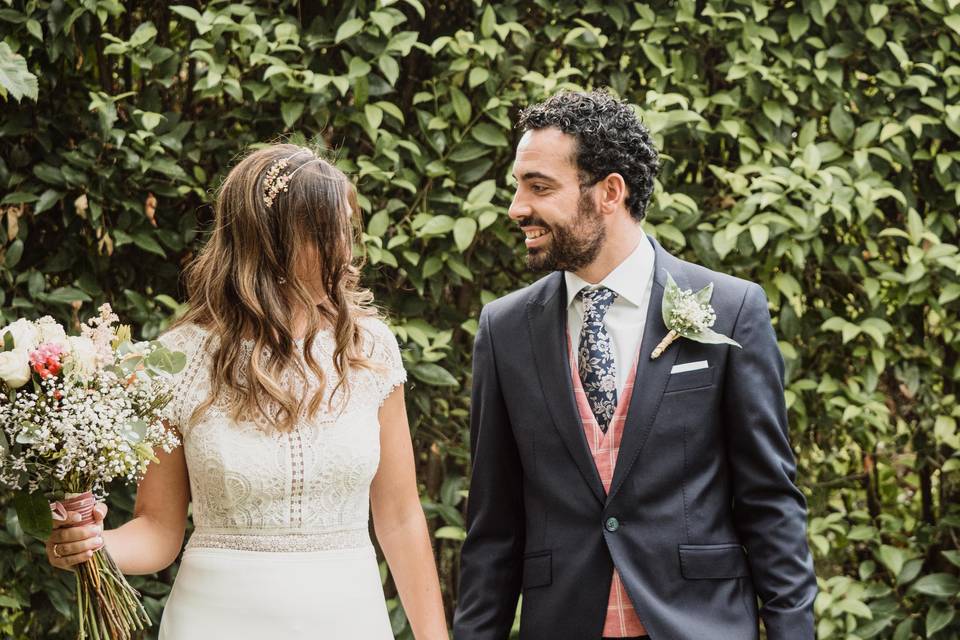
[250, 276]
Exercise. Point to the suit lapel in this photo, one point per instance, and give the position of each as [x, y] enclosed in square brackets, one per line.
[547, 319]
[652, 375]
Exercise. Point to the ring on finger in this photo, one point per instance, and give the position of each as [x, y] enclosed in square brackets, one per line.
[56, 551]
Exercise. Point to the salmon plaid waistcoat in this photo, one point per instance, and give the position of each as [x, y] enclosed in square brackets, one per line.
[622, 621]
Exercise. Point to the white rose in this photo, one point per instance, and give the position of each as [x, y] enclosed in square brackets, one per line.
[52, 332]
[15, 367]
[25, 334]
[84, 354]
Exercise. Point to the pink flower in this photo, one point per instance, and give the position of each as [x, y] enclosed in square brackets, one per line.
[45, 359]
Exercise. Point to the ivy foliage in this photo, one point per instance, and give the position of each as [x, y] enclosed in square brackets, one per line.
[812, 146]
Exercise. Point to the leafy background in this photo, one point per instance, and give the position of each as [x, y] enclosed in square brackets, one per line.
[810, 145]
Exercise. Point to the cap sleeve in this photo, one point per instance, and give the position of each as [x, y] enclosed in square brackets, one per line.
[386, 357]
[189, 385]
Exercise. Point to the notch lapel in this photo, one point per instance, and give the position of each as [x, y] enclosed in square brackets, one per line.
[652, 375]
[547, 318]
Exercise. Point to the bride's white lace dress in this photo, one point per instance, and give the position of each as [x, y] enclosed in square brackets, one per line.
[281, 547]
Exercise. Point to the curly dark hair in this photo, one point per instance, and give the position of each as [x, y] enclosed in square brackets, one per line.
[610, 139]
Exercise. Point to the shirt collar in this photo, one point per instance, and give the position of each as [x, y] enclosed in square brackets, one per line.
[628, 279]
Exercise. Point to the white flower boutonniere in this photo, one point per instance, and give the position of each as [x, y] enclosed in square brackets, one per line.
[688, 315]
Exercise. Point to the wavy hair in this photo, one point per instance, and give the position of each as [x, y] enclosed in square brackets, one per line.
[272, 251]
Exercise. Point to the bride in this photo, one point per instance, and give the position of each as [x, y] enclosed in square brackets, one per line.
[294, 428]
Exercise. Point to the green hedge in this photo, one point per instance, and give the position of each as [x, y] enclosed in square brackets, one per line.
[810, 145]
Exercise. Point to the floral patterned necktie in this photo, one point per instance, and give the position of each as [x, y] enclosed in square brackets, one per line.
[598, 371]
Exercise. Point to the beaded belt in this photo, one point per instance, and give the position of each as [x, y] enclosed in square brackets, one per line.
[325, 541]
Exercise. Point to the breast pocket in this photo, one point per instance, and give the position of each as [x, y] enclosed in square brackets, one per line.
[537, 569]
[691, 380]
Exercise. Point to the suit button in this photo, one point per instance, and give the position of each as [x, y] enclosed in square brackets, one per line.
[612, 524]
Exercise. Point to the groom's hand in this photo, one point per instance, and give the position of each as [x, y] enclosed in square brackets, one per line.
[69, 544]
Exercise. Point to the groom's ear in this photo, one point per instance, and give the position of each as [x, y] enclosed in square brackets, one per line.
[612, 193]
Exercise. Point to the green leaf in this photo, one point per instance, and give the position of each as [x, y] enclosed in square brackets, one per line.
[189, 13]
[389, 68]
[14, 253]
[34, 29]
[877, 12]
[373, 114]
[434, 374]
[811, 159]
[464, 231]
[655, 55]
[450, 533]
[482, 193]
[15, 79]
[33, 512]
[164, 360]
[856, 607]
[489, 135]
[953, 21]
[876, 36]
[348, 29]
[709, 336]
[939, 616]
[942, 585]
[146, 242]
[143, 34]
[478, 75]
[704, 295]
[892, 558]
[488, 22]
[953, 557]
[150, 120]
[437, 225]
[291, 112]
[797, 25]
[378, 223]
[47, 199]
[841, 124]
[66, 295]
[671, 292]
[461, 106]
[759, 233]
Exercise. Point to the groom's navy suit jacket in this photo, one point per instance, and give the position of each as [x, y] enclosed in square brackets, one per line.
[707, 516]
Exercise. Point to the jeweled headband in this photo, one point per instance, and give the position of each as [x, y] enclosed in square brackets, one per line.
[276, 180]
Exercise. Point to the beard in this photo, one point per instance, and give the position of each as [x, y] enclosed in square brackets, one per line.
[571, 246]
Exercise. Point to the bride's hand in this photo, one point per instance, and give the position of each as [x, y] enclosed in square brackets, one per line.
[70, 545]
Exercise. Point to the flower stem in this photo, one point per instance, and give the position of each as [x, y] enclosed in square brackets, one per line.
[668, 340]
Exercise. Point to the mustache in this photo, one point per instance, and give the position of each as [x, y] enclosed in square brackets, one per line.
[533, 222]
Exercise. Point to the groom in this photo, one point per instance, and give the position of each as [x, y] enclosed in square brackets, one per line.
[624, 496]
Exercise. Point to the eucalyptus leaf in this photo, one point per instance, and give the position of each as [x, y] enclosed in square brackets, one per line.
[33, 513]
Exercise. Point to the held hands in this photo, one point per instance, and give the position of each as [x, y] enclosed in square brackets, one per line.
[69, 545]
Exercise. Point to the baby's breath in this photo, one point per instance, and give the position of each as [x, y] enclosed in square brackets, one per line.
[82, 432]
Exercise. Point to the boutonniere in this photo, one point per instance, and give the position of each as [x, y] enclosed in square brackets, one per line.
[688, 315]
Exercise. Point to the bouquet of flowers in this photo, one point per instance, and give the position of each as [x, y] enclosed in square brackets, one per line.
[77, 413]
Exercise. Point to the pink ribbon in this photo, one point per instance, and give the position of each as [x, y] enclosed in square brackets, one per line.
[82, 503]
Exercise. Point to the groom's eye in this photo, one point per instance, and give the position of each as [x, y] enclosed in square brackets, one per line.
[538, 188]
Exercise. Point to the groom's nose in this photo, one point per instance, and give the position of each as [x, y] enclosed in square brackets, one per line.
[519, 209]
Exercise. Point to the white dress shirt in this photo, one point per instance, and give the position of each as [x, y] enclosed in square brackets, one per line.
[632, 280]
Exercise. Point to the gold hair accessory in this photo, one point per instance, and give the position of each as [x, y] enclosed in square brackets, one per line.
[275, 181]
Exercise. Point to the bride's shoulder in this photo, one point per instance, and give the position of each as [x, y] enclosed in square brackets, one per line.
[185, 337]
[374, 328]
[378, 338]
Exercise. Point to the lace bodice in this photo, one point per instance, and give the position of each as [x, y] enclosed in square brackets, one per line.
[255, 487]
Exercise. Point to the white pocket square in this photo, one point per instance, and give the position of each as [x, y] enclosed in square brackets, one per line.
[689, 366]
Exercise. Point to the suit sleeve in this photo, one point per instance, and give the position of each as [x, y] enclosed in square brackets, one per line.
[770, 513]
[491, 561]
